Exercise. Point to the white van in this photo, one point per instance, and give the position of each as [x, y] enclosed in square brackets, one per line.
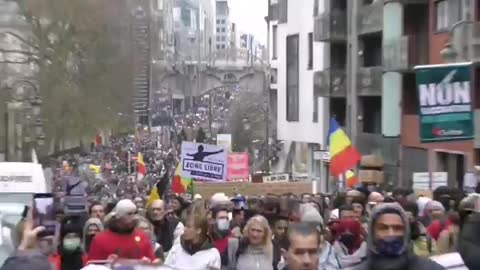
[18, 182]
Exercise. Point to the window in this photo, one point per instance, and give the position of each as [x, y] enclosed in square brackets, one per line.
[159, 4]
[218, 21]
[310, 50]
[223, 46]
[223, 38]
[186, 16]
[223, 29]
[292, 78]
[273, 76]
[218, 30]
[218, 38]
[372, 114]
[218, 47]
[223, 21]
[447, 13]
[274, 41]
[316, 5]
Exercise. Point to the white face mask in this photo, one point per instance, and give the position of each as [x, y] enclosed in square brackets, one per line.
[71, 244]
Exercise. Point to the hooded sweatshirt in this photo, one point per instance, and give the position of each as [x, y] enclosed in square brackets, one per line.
[87, 240]
[406, 260]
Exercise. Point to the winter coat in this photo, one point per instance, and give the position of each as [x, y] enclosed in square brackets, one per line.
[469, 243]
[450, 261]
[249, 257]
[424, 246]
[185, 257]
[406, 260]
[448, 240]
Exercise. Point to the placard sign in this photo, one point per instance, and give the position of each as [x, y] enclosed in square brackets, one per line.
[276, 178]
[205, 161]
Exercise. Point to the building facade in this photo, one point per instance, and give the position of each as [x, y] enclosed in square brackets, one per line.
[443, 22]
[369, 77]
[300, 114]
[223, 25]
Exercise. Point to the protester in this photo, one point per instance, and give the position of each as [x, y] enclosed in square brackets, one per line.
[194, 250]
[350, 248]
[221, 232]
[122, 239]
[279, 239]
[423, 244]
[92, 227]
[144, 225]
[27, 255]
[388, 242]
[177, 205]
[469, 243]
[165, 227]
[302, 252]
[97, 210]
[346, 212]
[254, 250]
[70, 255]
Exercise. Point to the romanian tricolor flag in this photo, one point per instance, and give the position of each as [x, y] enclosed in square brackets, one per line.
[351, 179]
[343, 155]
[181, 185]
[141, 168]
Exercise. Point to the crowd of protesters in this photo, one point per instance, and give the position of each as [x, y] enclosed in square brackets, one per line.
[363, 228]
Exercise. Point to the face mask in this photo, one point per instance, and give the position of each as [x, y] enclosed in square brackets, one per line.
[71, 244]
[347, 239]
[390, 246]
[223, 225]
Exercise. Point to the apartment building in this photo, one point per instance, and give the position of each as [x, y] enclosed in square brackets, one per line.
[371, 48]
[444, 32]
[223, 25]
[300, 114]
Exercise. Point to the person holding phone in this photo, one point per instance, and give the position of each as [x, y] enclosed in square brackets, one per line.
[28, 256]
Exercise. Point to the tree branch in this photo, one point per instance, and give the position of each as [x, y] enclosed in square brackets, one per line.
[16, 51]
[26, 61]
[22, 39]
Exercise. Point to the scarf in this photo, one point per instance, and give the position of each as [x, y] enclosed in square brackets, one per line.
[192, 248]
[346, 260]
[402, 262]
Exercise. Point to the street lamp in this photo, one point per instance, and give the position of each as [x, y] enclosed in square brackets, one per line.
[449, 53]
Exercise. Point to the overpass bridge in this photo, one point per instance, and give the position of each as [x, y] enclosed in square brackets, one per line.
[184, 81]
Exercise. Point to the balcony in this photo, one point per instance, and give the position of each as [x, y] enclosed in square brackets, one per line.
[370, 18]
[369, 81]
[466, 41]
[330, 82]
[331, 26]
[273, 12]
[403, 54]
[282, 11]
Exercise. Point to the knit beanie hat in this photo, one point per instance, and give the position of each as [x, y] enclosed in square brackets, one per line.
[124, 207]
[311, 215]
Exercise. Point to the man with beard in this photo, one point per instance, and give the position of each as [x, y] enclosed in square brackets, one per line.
[166, 226]
[122, 239]
[388, 242]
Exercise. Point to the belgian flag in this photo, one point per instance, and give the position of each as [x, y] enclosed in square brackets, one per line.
[159, 189]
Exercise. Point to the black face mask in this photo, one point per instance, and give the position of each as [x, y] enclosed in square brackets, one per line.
[347, 239]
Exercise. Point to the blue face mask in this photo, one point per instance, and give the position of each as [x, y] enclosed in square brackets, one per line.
[223, 224]
[390, 246]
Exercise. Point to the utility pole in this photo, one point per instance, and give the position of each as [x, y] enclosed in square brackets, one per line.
[267, 96]
[352, 69]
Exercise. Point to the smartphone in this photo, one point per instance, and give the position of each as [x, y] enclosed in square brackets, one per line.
[44, 213]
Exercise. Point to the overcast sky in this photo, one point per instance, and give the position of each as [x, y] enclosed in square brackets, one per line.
[249, 16]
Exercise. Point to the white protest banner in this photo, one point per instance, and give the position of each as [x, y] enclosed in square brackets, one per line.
[204, 161]
[22, 177]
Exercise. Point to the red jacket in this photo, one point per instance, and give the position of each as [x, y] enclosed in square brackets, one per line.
[56, 260]
[133, 246]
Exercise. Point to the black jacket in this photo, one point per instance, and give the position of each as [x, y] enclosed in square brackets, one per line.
[408, 262]
[469, 242]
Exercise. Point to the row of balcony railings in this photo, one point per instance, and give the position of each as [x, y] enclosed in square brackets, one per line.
[333, 82]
